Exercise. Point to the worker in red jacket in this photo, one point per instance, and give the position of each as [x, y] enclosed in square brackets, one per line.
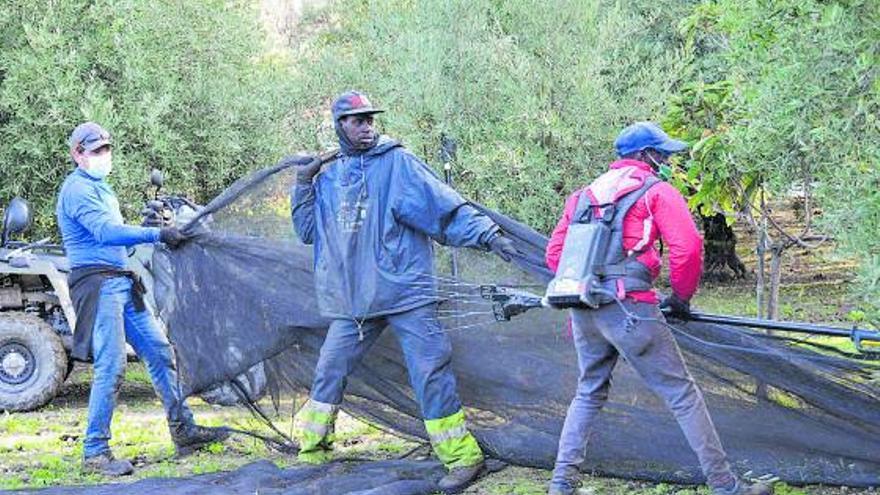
[639, 209]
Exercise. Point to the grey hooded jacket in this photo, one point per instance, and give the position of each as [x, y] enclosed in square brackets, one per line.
[372, 217]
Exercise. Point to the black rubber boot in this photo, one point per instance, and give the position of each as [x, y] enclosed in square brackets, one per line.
[459, 478]
[107, 465]
[189, 438]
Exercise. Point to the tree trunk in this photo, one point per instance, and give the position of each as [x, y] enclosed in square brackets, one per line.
[775, 280]
[720, 249]
[760, 387]
[761, 251]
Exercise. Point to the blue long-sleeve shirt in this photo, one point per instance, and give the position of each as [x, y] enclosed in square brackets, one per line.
[371, 218]
[92, 227]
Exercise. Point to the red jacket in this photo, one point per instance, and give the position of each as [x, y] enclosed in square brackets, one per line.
[666, 212]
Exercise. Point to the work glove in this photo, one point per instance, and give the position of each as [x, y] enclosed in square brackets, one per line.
[673, 305]
[503, 247]
[172, 237]
[306, 167]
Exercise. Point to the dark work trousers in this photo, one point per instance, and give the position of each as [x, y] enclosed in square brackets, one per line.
[426, 348]
[600, 337]
[428, 353]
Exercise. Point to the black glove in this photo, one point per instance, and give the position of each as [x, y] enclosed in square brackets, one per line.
[172, 237]
[672, 305]
[306, 166]
[503, 247]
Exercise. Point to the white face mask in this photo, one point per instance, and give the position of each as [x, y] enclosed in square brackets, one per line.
[100, 165]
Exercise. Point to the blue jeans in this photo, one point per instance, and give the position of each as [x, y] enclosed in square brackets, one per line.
[116, 323]
[600, 338]
[426, 349]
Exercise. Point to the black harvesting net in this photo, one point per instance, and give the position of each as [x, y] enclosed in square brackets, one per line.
[264, 478]
[242, 293]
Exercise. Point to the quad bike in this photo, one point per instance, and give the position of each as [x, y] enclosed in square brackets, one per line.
[37, 316]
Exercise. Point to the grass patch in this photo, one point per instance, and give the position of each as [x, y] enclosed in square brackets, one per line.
[784, 489]
[824, 303]
[138, 374]
[16, 423]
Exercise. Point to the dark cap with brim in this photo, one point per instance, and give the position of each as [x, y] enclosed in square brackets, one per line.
[644, 135]
[90, 136]
[353, 103]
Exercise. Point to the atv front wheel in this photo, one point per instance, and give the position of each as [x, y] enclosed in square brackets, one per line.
[33, 362]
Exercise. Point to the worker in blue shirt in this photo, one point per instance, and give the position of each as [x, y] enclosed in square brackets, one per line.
[109, 303]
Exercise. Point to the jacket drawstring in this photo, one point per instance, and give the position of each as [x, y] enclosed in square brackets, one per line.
[360, 325]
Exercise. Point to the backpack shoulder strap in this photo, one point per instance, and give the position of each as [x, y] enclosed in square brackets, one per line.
[615, 252]
[583, 212]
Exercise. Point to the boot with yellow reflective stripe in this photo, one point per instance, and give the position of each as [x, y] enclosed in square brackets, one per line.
[314, 450]
[459, 478]
[457, 448]
[314, 430]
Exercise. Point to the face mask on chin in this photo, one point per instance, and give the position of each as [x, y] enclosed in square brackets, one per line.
[663, 169]
[99, 165]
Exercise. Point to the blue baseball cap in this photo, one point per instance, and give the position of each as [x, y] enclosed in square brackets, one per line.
[353, 103]
[90, 136]
[643, 135]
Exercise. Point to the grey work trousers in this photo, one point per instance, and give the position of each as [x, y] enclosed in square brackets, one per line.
[600, 337]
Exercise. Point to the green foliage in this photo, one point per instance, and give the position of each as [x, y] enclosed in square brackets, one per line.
[183, 86]
[788, 92]
[703, 113]
[534, 95]
[785, 92]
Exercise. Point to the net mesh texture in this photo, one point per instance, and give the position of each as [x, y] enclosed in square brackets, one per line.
[242, 293]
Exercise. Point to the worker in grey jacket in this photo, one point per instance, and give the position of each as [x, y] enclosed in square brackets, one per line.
[372, 217]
